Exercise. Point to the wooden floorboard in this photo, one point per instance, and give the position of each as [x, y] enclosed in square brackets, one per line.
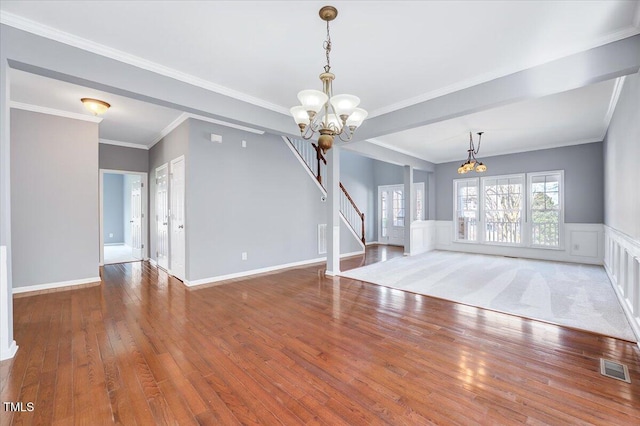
[296, 347]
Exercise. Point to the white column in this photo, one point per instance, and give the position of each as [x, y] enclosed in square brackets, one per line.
[8, 346]
[333, 210]
[409, 207]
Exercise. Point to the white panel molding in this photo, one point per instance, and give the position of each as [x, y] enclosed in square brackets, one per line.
[622, 264]
[57, 285]
[244, 274]
[36, 28]
[125, 144]
[56, 112]
[588, 236]
[423, 236]
[8, 348]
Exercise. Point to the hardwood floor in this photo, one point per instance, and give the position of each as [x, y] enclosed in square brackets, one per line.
[299, 348]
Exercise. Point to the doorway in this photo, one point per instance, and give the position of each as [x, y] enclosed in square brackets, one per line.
[391, 212]
[123, 204]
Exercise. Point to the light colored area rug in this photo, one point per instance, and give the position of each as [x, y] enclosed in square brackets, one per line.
[573, 295]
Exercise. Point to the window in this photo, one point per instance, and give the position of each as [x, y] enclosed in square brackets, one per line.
[511, 210]
[466, 210]
[503, 204]
[398, 207]
[545, 207]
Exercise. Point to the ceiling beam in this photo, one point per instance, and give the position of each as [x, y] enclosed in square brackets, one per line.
[39, 55]
[591, 66]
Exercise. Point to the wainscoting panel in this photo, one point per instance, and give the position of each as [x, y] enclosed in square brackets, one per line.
[423, 236]
[583, 243]
[622, 263]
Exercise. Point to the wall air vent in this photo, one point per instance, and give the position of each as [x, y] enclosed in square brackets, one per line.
[322, 238]
[615, 370]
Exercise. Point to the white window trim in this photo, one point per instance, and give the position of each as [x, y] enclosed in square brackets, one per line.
[525, 239]
[455, 209]
[482, 209]
[530, 176]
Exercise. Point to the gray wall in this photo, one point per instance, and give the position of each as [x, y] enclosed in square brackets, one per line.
[54, 198]
[168, 148]
[258, 200]
[583, 178]
[112, 208]
[114, 157]
[622, 151]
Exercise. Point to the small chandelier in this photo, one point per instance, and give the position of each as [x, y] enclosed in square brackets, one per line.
[96, 106]
[471, 162]
[325, 113]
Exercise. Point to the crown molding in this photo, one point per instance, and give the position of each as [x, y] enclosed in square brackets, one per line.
[124, 144]
[615, 96]
[170, 128]
[186, 115]
[36, 28]
[52, 111]
[394, 148]
[465, 84]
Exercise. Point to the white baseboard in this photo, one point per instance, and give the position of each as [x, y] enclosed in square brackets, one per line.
[370, 243]
[115, 244]
[153, 262]
[51, 286]
[9, 352]
[244, 274]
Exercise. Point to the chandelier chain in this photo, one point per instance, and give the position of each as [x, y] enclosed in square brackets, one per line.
[327, 48]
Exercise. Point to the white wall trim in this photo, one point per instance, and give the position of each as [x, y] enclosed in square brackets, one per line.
[125, 144]
[187, 115]
[8, 348]
[588, 236]
[60, 284]
[9, 352]
[109, 52]
[622, 264]
[615, 96]
[52, 111]
[152, 262]
[243, 274]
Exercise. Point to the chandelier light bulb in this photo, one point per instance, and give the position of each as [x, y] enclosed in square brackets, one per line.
[344, 105]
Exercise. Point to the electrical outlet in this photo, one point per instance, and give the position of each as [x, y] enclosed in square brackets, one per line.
[244, 144]
[111, 235]
[244, 255]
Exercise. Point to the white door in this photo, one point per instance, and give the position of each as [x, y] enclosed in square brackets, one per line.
[177, 222]
[162, 216]
[391, 214]
[136, 217]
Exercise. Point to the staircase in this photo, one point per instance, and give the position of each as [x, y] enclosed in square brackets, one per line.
[311, 155]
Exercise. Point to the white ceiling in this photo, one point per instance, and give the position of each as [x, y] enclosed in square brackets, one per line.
[391, 54]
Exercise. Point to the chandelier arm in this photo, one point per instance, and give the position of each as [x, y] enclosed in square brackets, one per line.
[348, 138]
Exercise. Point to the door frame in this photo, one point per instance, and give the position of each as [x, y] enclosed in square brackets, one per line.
[184, 219]
[144, 208]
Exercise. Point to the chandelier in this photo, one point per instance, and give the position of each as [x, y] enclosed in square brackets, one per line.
[323, 112]
[471, 162]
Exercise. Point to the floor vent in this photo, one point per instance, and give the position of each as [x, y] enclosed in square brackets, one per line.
[615, 370]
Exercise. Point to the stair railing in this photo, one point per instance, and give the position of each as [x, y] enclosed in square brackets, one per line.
[312, 156]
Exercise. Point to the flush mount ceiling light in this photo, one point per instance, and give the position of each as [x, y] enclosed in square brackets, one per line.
[471, 162]
[322, 111]
[96, 106]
